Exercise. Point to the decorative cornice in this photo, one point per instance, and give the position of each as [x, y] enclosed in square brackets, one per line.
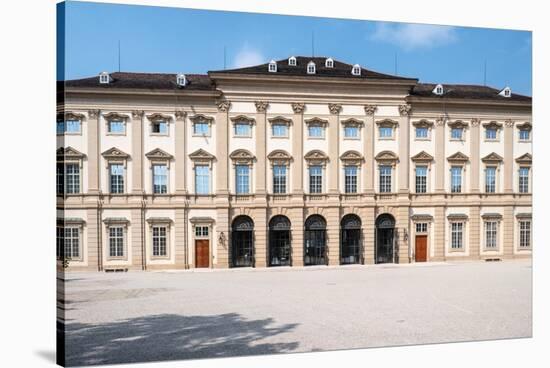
[386, 156]
[525, 159]
[491, 216]
[114, 153]
[69, 152]
[201, 155]
[223, 106]
[335, 108]
[298, 107]
[457, 216]
[200, 117]
[525, 126]
[405, 110]
[279, 155]
[137, 114]
[370, 109]
[440, 121]
[241, 155]
[423, 123]
[316, 120]
[475, 122]
[315, 155]
[180, 115]
[351, 157]
[492, 157]
[202, 220]
[352, 122]
[242, 118]
[387, 123]
[458, 157]
[422, 217]
[115, 116]
[492, 124]
[116, 221]
[422, 156]
[261, 106]
[458, 124]
[93, 114]
[70, 115]
[158, 154]
[159, 220]
[158, 116]
[280, 119]
[524, 215]
[509, 123]
[70, 221]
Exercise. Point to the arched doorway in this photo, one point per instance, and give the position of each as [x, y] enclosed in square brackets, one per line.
[279, 241]
[350, 240]
[242, 242]
[385, 225]
[315, 241]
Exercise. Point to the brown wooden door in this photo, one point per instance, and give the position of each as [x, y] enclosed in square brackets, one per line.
[421, 248]
[202, 253]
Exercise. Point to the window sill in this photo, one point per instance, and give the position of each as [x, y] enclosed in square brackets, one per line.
[160, 258]
[491, 140]
[386, 138]
[279, 136]
[352, 138]
[316, 138]
[202, 135]
[457, 140]
[242, 136]
[123, 258]
[457, 250]
[422, 139]
[159, 134]
[116, 134]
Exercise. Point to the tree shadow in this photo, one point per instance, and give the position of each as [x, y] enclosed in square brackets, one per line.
[171, 337]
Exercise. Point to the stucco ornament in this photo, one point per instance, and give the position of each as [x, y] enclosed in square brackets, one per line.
[261, 106]
[298, 107]
[370, 109]
[180, 114]
[405, 110]
[224, 106]
[335, 108]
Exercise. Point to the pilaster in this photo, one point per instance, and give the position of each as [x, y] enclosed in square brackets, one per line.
[181, 224]
[298, 149]
[181, 152]
[334, 148]
[260, 237]
[368, 148]
[474, 156]
[261, 109]
[404, 149]
[297, 233]
[93, 151]
[222, 147]
[368, 228]
[508, 232]
[92, 239]
[137, 152]
[508, 163]
[440, 155]
[332, 216]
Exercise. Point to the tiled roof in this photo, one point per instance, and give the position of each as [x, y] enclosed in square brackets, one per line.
[159, 81]
[465, 91]
[340, 69]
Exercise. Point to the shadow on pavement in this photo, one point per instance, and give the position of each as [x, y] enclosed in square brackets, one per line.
[171, 337]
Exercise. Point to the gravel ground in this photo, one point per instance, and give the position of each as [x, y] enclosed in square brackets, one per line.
[152, 316]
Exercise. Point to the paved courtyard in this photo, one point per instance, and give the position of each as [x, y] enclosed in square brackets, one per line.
[151, 316]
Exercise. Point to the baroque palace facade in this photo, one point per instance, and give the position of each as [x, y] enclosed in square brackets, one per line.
[301, 161]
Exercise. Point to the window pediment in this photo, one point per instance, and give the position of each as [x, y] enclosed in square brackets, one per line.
[158, 154]
[525, 159]
[423, 123]
[457, 217]
[279, 155]
[69, 153]
[351, 157]
[524, 215]
[242, 119]
[199, 118]
[422, 218]
[73, 116]
[525, 126]
[387, 123]
[491, 216]
[157, 116]
[159, 220]
[458, 157]
[317, 121]
[242, 156]
[386, 156]
[458, 124]
[316, 157]
[61, 221]
[280, 120]
[116, 221]
[114, 153]
[422, 156]
[492, 125]
[115, 116]
[201, 155]
[352, 122]
[492, 157]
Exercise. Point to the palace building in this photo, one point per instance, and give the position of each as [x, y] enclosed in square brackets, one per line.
[296, 162]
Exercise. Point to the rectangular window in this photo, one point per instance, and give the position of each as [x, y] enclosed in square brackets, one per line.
[491, 234]
[524, 135]
[524, 180]
[456, 133]
[160, 179]
[351, 132]
[60, 178]
[422, 132]
[202, 179]
[243, 179]
[72, 176]
[117, 127]
[201, 231]
[350, 179]
[421, 227]
[456, 235]
[525, 234]
[72, 126]
[315, 179]
[160, 127]
[279, 130]
[456, 179]
[421, 179]
[315, 131]
[159, 240]
[201, 128]
[385, 132]
[490, 133]
[242, 130]
[72, 242]
[116, 241]
[116, 175]
[279, 179]
[385, 179]
[490, 179]
[60, 127]
[59, 241]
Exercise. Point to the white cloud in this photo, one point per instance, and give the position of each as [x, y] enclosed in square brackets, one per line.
[414, 36]
[248, 56]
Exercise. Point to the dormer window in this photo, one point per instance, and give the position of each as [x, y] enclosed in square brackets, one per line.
[438, 90]
[104, 78]
[272, 66]
[311, 68]
[329, 63]
[181, 80]
[356, 70]
[506, 92]
[292, 61]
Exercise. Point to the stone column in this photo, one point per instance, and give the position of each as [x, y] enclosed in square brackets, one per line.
[222, 185]
[137, 152]
[298, 151]
[334, 148]
[474, 223]
[508, 164]
[368, 148]
[404, 152]
[474, 156]
[93, 151]
[439, 234]
[440, 155]
[181, 152]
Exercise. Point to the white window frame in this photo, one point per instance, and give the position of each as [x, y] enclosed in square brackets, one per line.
[416, 184]
[285, 183]
[385, 185]
[166, 243]
[320, 184]
[491, 238]
[165, 164]
[461, 189]
[329, 63]
[495, 189]
[237, 179]
[292, 61]
[459, 230]
[356, 70]
[522, 185]
[311, 69]
[109, 176]
[272, 67]
[352, 185]
[521, 233]
[208, 165]
[122, 238]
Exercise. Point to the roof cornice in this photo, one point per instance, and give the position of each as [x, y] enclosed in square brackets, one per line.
[466, 101]
[140, 91]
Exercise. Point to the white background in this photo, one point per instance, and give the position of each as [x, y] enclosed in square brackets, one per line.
[27, 140]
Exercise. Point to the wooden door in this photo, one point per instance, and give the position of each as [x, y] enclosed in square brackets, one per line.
[421, 248]
[202, 253]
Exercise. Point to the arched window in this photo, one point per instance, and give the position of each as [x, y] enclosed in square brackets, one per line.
[315, 238]
[279, 241]
[350, 240]
[242, 242]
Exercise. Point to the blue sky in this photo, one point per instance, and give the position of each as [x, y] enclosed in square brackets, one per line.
[160, 39]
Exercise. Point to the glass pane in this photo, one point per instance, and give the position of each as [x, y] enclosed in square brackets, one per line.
[315, 131]
[242, 129]
[116, 126]
[72, 126]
